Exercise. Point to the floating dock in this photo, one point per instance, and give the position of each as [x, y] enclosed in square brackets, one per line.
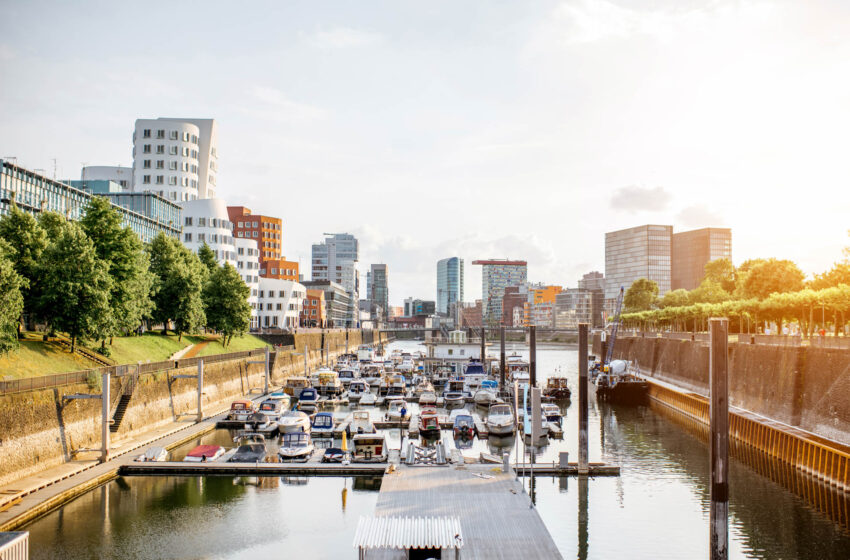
[252, 469]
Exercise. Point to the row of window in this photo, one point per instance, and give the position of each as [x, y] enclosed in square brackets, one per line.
[172, 150]
[172, 180]
[213, 222]
[172, 165]
[212, 238]
[172, 135]
[250, 251]
[266, 225]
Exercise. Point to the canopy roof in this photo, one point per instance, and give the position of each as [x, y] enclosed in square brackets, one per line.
[408, 532]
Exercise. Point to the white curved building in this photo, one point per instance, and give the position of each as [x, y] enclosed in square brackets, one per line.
[280, 303]
[248, 265]
[206, 221]
[115, 173]
[176, 158]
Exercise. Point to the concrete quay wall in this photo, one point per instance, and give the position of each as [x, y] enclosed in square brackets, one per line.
[805, 387]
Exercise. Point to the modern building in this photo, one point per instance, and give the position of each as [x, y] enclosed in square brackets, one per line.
[692, 250]
[471, 314]
[176, 158]
[594, 282]
[396, 311]
[281, 269]
[313, 310]
[638, 252]
[513, 305]
[338, 305]
[496, 275]
[248, 266]
[35, 193]
[206, 221]
[573, 306]
[280, 303]
[539, 309]
[149, 204]
[378, 292]
[117, 174]
[414, 307]
[449, 284]
[266, 230]
[335, 259]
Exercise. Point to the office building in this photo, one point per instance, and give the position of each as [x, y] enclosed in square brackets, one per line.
[149, 204]
[692, 250]
[248, 266]
[594, 282]
[414, 307]
[280, 303]
[313, 310]
[573, 306]
[335, 259]
[176, 158]
[35, 193]
[378, 292]
[338, 305]
[267, 231]
[281, 269]
[539, 308]
[449, 284]
[206, 221]
[496, 275]
[638, 252]
[117, 174]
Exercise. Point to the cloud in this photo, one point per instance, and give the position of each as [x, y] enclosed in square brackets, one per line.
[6, 52]
[699, 216]
[344, 38]
[640, 199]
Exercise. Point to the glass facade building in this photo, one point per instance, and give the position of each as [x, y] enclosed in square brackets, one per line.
[449, 284]
[379, 294]
[496, 275]
[35, 193]
[638, 252]
[692, 250]
[335, 260]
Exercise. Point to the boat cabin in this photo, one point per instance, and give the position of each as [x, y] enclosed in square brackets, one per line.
[271, 407]
[369, 448]
[323, 421]
[294, 385]
[241, 409]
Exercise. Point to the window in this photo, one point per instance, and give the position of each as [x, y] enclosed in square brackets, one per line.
[240, 251]
[240, 224]
[172, 150]
[160, 134]
[451, 351]
[279, 307]
[274, 321]
[172, 180]
[268, 307]
[172, 165]
[202, 222]
[174, 135]
[239, 234]
[274, 271]
[261, 293]
[185, 136]
[146, 133]
[146, 164]
[187, 237]
[160, 164]
[202, 238]
[160, 180]
[255, 234]
[146, 179]
[188, 221]
[146, 149]
[173, 195]
[160, 149]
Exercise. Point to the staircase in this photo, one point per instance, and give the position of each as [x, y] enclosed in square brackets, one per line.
[100, 359]
[123, 402]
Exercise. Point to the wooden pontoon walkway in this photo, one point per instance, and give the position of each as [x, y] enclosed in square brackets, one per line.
[494, 512]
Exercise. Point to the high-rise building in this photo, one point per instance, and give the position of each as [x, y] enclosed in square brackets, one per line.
[449, 284]
[496, 275]
[638, 252]
[378, 290]
[206, 221]
[539, 308]
[692, 250]
[176, 158]
[573, 306]
[594, 282]
[337, 304]
[267, 231]
[335, 260]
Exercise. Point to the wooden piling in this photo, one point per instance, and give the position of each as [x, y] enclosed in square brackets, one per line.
[719, 442]
[582, 398]
[532, 353]
[502, 364]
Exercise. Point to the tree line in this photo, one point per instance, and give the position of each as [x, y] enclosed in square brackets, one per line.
[94, 279]
[757, 290]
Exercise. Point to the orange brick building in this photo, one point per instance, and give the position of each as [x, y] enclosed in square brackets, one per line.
[268, 233]
[313, 310]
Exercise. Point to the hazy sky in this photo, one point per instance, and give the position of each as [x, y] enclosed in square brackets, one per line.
[479, 129]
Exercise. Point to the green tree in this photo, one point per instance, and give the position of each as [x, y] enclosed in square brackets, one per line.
[52, 223]
[721, 271]
[178, 280]
[27, 242]
[120, 248]
[773, 276]
[675, 298]
[75, 286]
[11, 285]
[709, 291]
[641, 295]
[837, 275]
[226, 303]
[208, 258]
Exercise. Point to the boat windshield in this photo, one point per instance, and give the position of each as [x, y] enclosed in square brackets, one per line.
[499, 409]
[269, 406]
[475, 369]
[464, 421]
[295, 439]
[323, 421]
[293, 414]
[361, 415]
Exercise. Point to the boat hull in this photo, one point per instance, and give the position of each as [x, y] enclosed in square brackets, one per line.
[624, 392]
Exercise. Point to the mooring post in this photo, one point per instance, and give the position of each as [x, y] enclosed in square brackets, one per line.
[268, 373]
[719, 418]
[483, 347]
[104, 413]
[532, 352]
[200, 390]
[502, 364]
[346, 340]
[582, 518]
[306, 351]
[582, 398]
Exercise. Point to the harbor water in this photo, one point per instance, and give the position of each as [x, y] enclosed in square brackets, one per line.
[657, 508]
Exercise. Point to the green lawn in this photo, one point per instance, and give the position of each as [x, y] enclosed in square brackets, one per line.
[150, 347]
[247, 342]
[34, 358]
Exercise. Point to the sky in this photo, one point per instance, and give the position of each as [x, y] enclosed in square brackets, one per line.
[521, 130]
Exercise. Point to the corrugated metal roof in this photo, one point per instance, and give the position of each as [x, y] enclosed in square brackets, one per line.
[408, 532]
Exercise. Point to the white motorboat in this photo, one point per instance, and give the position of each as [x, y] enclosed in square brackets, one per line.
[365, 353]
[454, 398]
[204, 454]
[500, 420]
[323, 424]
[552, 413]
[407, 365]
[357, 389]
[397, 410]
[346, 376]
[428, 397]
[296, 447]
[486, 394]
[367, 399]
[361, 423]
[294, 421]
[153, 454]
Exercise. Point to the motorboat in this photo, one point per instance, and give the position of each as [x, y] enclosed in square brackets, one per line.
[397, 410]
[282, 397]
[294, 385]
[329, 383]
[474, 375]
[356, 389]
[421, 384]
[240, 410]
[551, 413]
[153, 454]
[428, 397]
[272, 408]
[369, 448]
[372, 373]
[407, 365]
[429, 422]
[252, 449]
[454, 398]
[346, 376]
[517, 369]
[323, 424]
[204, 454]
[365, 353]
[293, 421]
[557, 388]
[259, 422]
[486, 394]
[309, 400]
[361, 423]
[295, 447]
[500, 420]
[397, 387]
[463, 426]
[367, 399]
[333, 455]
